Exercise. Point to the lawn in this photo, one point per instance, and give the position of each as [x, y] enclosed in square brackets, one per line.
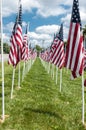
[39, 104]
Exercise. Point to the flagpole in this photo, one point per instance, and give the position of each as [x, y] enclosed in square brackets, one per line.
[2, 62]
[53, 71]
[28, 45]
[23, 71]
[28, 65]
[19, 77]
[60, 80]
[12, 82]
[83, 98]
[49, 68]
[56, 74]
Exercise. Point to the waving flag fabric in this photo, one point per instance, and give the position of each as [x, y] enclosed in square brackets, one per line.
[74, 52]
[25, 49]
[19, 28]
[13, 55]
[58, 53]
[15, 49]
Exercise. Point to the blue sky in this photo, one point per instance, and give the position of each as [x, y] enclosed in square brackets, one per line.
[45, 17]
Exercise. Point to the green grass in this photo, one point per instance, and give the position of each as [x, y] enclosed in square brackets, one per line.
[39, 105]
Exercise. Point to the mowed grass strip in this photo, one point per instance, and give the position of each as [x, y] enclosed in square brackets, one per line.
[39, 105]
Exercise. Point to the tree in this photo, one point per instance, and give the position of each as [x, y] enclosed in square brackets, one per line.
[6, 48]
[38, 48]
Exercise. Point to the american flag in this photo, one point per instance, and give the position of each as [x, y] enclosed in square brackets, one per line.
[13, 54]
[33, 55]
[48, 54]
[25, 49]
[19, 28]
[15, 51]
[53, 46]
[58, 54]
[74, 53]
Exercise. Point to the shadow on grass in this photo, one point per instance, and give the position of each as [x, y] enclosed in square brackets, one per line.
[0, 95]
[6, 94]
[45, 112]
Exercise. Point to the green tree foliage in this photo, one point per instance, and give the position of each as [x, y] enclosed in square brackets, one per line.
[6, 47]
[38, 48]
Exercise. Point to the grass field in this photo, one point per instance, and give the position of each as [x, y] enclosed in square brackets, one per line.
[39, 105]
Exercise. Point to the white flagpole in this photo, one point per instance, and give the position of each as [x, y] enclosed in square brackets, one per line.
[53, 71]
[60, 80]
[2, 62]
[28, 44]
[49, 68]
[19, 77]
[56, 74]
[12, 83]
[83, 100]
[83, 97]
[26, 68]
[23, 71]
[28, 65]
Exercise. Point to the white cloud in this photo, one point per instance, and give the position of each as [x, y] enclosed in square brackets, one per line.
[29, 5]
[7, 12]
[51, 11]
[66, 31]
[45, 33]
[11, 6]
[83, 16]
[43, 43]
[6, 38]
[24, 24]
[39, 36]
[66, 20]
[8, 27]
[45, 8]
[47, 29]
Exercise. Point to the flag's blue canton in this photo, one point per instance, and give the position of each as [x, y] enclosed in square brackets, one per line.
[60, 34]
[30, 46]
[75, 13]
[14, 28]
[20, 15]
[26, 29]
